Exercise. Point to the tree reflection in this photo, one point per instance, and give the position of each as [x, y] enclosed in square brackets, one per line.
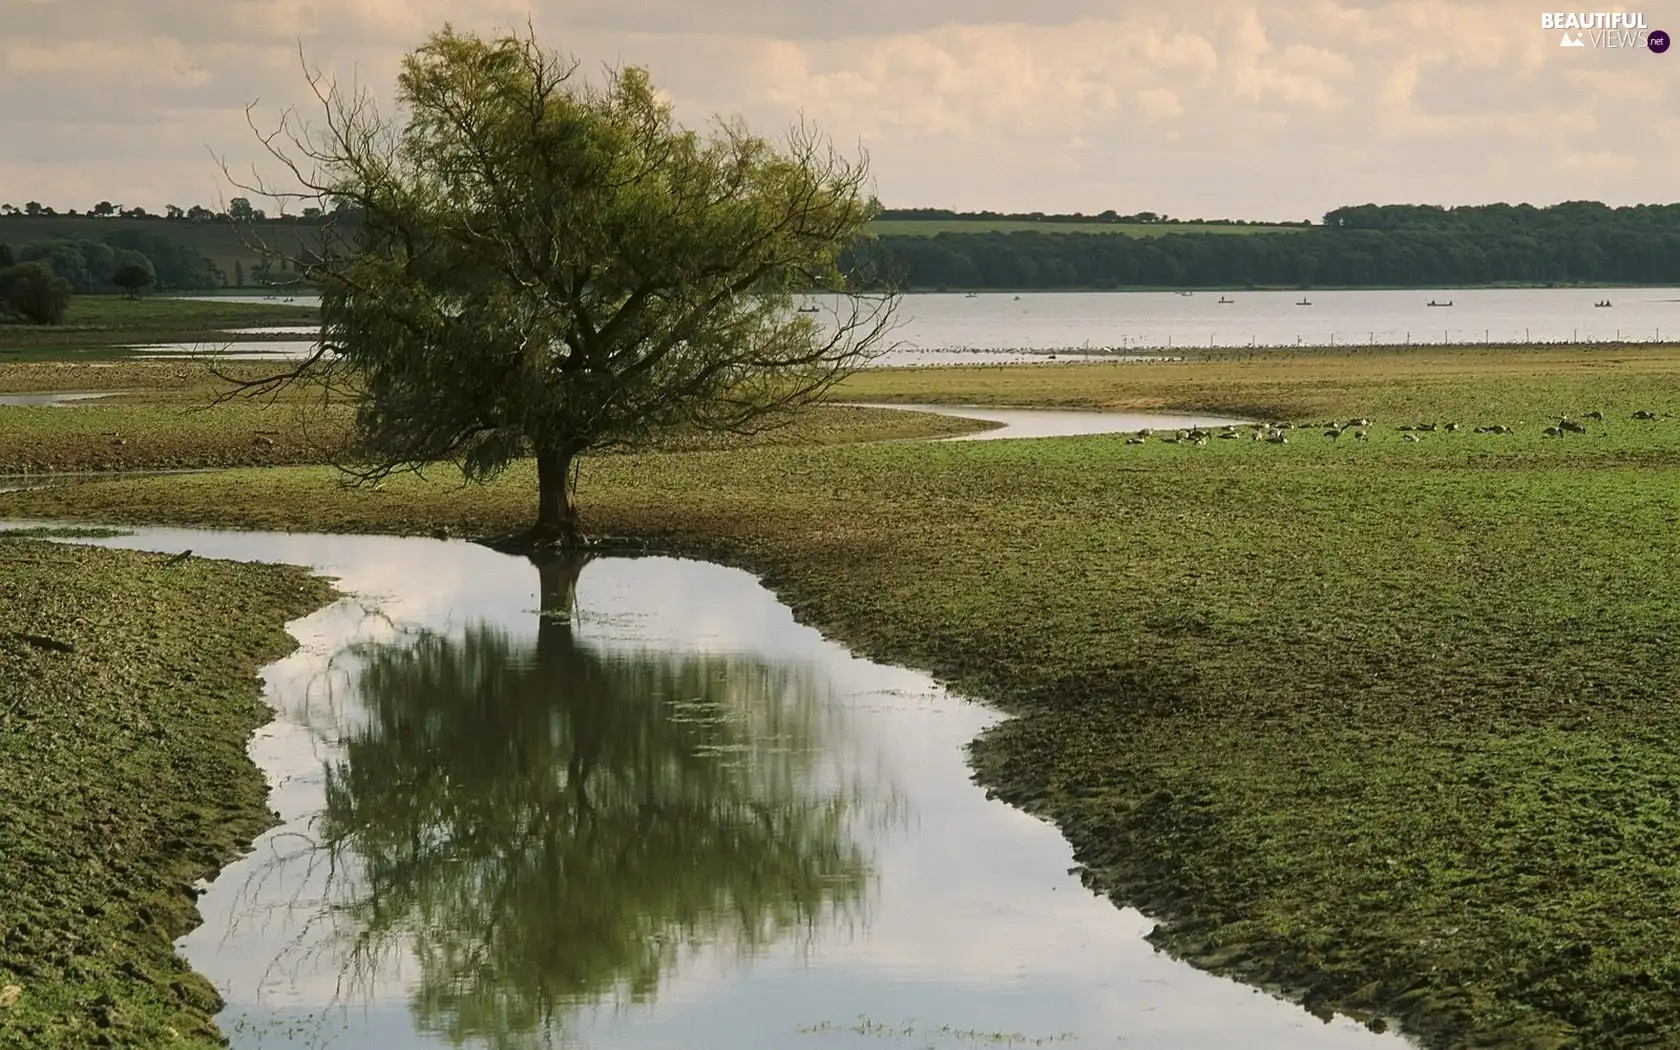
[546, 827]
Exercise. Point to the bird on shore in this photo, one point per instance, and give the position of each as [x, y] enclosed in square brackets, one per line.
[1362, 435]
[179, 558]
[1412, 437]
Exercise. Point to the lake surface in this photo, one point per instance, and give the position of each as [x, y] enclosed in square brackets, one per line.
[1120, 321]
[54, 399]
[1051, 422]
[631, 803]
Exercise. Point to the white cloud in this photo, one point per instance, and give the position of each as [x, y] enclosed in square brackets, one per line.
[1067, 104]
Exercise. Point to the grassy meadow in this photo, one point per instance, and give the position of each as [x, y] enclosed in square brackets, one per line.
[102, 326]
[1385, 725]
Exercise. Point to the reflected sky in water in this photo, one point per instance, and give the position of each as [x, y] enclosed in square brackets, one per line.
[662, 814]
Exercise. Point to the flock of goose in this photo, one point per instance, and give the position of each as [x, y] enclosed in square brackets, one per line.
[1278, 433]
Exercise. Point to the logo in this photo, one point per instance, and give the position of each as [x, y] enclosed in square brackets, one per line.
[1592, 20]
[1604, 29]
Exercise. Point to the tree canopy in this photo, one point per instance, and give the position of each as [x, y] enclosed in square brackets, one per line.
[531, 264]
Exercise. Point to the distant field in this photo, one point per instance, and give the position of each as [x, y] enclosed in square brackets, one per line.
[224, 243]
[929, 227]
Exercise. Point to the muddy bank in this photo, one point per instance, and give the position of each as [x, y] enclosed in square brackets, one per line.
[128, 694]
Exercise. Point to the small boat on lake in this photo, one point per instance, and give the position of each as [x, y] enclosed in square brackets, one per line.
[1434, 303]
[1304, 302]
[1604, 303]
[809, 309]
[1222, 299]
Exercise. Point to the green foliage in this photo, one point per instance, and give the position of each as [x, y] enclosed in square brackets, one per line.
[31, 291]
[133, 275]
[543, 265]
[1398, 245]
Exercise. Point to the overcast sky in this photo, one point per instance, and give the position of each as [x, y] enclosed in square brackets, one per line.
[1197, 108]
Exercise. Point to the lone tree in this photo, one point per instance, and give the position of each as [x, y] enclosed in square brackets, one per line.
[134, 275]
[528, 264]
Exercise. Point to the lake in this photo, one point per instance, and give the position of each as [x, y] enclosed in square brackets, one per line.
[1119, 321]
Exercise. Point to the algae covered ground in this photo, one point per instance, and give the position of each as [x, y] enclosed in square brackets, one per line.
[1387, 724]
[176, 415]
[128, 693]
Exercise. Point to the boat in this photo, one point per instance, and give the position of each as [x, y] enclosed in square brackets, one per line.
[1304, 302]
[1434, 303]
[1225, 300]
[809, 309]
[972, 295]
[1604, 303]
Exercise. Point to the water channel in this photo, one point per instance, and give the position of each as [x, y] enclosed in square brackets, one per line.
[631, 803]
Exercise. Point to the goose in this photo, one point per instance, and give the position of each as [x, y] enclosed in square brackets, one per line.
[1413, 437]
[1642, 414]
[1594, 415]
[1361, 435]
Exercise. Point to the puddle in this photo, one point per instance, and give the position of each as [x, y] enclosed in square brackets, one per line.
[1051, 422]
[259, 350]
[663, 814]
[23, 400]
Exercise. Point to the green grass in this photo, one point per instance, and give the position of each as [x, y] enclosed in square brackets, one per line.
[1387, 725]
[125, 779]
[101, 325]
[931, 227]
[163, 416]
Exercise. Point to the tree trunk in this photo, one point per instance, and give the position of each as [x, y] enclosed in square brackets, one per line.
[557, 519]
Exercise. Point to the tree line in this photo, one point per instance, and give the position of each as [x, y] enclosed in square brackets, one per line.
[38, 278]
[239, 209]
[1142, 218]
[1366, 245]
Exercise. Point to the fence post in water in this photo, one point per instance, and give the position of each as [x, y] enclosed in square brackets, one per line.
[1525, 337]
[1487, 337]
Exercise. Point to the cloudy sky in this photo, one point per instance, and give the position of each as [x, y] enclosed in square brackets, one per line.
[1196, 108]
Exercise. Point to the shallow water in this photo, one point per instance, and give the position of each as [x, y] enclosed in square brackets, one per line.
[1123, 321]
[1119, 321]
[1050, 422]
[666, 815]
[63, 400]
